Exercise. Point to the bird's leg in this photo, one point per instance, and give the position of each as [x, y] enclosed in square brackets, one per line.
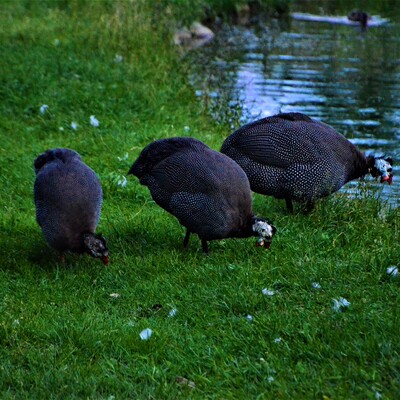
[204, 245]
[186, 240]
[309, 207]
[289, 204]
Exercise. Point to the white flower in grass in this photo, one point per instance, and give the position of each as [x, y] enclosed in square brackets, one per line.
[122, 181]
[392, 271]
[118, 58]
[173, 312]
[344, 302]
[270, 379]
[146, 334]
[125, 157]
[278, 340]
[340, 303]
[115, 295]
[249, 317]
[61, 129]
[43, 108]
[94, 121]
[15, 323]
[316, 285]
[268, 292]
[57, 42]
[74, 125]
[186, 128]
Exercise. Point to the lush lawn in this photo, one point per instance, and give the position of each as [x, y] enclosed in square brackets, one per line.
[73, 331]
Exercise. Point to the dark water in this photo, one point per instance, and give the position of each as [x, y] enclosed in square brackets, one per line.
[331, 71]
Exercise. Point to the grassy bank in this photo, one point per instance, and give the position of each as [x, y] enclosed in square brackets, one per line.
[73, 331]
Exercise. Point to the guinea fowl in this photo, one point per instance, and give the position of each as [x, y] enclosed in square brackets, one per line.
[205, 190]
[293, 157]
[68, 199]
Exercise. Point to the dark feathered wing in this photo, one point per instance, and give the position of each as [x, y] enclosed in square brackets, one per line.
[295, 157]
[207, 191]
[161, 149]
[273, 141]
[62, 155]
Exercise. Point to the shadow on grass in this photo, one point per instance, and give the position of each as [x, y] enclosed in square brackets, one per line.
[48, 259]
[26, 249]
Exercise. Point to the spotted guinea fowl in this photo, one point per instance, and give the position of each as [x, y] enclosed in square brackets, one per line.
[293, 157]
[205, 190]
[68, 199]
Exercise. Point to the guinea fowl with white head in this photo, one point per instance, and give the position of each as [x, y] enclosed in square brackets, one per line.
[293, 157]
[68, 198]
[205, 190]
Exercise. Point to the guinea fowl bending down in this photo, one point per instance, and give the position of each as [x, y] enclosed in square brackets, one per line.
[206, 190]
[68, 199]
[293, 157]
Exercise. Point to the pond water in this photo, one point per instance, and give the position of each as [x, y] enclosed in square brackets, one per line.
[323, 67]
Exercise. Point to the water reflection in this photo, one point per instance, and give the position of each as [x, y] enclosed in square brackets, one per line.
[330, 72]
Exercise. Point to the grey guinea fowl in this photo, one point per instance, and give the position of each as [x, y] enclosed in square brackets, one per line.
[293, 157]
[68, 199]
[205, 190]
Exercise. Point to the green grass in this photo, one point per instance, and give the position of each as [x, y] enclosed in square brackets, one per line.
[61, 333]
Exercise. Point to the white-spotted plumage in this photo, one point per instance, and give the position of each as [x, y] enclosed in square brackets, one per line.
[205, 190]
[293, 157]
